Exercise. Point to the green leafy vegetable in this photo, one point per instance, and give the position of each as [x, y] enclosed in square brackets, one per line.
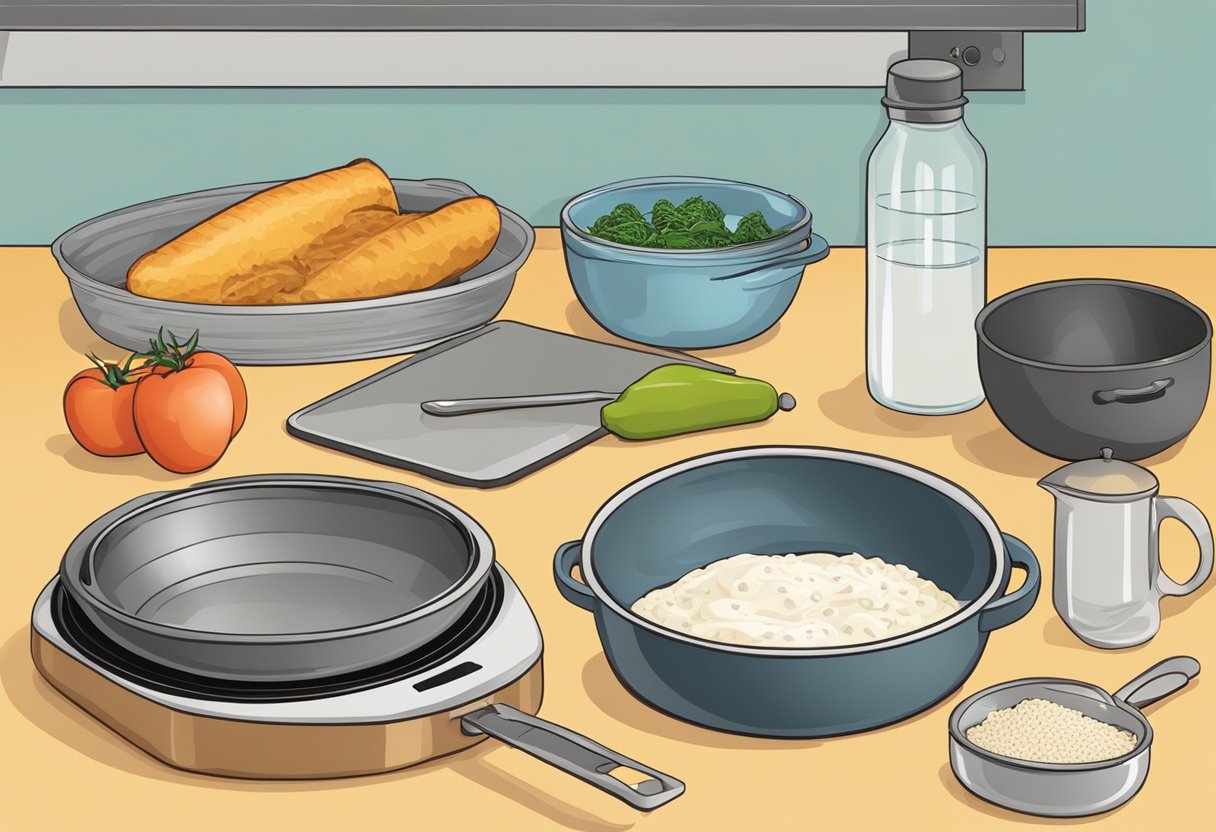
[621, 214]
[695, 223]
[697, 209]
[752, 228]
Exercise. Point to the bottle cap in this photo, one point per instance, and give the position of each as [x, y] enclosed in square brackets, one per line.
[924, 91]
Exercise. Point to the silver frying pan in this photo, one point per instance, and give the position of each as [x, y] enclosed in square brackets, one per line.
[274, 578]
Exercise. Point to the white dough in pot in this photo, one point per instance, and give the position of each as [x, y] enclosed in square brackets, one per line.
[817, 599]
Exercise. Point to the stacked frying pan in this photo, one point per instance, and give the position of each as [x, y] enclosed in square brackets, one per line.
[295, 602]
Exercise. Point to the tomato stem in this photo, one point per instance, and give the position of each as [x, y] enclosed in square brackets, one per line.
[112, 374]
[171, 354]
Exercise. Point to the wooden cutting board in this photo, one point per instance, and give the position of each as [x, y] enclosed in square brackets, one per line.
[380, 418]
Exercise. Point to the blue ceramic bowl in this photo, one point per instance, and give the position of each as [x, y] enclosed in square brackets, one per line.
[690, 298]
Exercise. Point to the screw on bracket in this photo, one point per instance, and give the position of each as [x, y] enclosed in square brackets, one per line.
[990, 60]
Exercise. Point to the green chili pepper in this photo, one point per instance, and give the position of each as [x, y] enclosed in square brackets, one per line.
[678, 398]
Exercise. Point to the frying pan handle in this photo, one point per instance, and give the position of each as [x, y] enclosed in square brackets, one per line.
[574, 754]
[1147, 393]
[1159, 681]
[1003, 611]
[568, 555]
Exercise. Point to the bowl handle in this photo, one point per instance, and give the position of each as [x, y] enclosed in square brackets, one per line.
[568, 555]
[817, 249]
[1146, 393]
[1003, 611]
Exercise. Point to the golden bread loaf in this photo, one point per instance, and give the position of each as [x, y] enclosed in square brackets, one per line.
[411, 254]
[257, 248]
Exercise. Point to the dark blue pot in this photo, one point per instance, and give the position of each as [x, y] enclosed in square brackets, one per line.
[775, 500]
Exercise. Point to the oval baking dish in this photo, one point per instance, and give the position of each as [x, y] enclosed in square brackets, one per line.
[96, 254]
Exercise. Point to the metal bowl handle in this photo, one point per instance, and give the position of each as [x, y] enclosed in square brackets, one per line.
[1147, 393]
[1003, 611]
[568, 556]
[1159, 681]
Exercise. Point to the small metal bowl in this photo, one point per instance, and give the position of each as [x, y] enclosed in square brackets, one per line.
[1059, 789]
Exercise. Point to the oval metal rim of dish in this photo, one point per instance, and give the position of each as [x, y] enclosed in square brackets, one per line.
[722, 252]
[958, 735]
[478, 537]
[1036, 288]
[937, 483]
[399, 299]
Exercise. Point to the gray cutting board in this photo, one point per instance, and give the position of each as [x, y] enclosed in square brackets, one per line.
[380, 418]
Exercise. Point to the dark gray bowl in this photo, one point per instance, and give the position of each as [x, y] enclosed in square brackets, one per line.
[97, 254]
[1074, 366]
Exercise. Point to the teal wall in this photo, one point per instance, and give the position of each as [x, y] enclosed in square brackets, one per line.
[1110, 144]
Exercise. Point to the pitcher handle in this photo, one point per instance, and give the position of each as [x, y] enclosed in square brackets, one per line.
[1190, 516]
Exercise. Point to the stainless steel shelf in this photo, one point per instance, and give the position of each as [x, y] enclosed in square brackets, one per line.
[549, 15]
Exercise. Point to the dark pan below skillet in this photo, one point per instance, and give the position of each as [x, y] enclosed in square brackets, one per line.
[275, 578]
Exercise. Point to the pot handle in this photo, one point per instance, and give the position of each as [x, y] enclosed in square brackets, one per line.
[568, 555]
[1003, 611]
[817, 249]
[574, 754]
[1147, 393]
[1159, 681]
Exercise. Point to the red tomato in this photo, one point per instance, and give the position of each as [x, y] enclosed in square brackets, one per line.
[99, 416]
[236, 384]
[184, 418]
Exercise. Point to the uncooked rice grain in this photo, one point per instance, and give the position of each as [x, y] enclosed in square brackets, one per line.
[1048, 732]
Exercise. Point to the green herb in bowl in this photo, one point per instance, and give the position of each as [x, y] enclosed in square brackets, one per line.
[694, 223]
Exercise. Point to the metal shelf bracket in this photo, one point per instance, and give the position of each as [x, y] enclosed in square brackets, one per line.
[989, 60]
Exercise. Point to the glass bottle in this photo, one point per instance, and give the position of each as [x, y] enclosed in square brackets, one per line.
[926, 245]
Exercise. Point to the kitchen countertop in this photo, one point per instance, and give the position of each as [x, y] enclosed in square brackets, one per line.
[61, 770]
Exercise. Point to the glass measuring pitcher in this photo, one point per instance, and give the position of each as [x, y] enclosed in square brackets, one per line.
[1107, 580]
